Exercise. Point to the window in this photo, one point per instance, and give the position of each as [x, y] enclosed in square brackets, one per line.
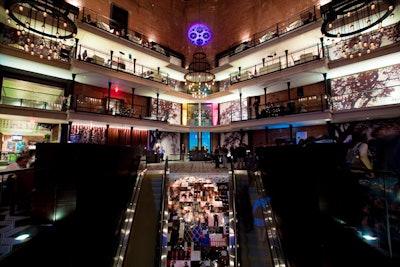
[119, 19]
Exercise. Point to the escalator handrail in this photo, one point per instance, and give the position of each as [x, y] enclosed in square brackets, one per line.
[127, 223]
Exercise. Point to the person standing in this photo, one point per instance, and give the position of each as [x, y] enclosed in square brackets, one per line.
[215, 219]
[224, 157]
[216, 156]
[183, 151]
[160, 152]
[360, 150]
[241, 155]
[256, 106]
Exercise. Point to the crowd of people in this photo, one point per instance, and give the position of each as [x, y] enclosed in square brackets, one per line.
[240, 156]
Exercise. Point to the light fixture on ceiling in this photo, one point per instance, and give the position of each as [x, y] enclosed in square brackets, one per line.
[199, 79]
[344, 18]
[43, 26]
[355, 26]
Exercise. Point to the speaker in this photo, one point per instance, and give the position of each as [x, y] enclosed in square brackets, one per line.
[300, 91]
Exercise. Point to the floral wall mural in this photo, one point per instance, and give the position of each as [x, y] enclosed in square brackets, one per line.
[167, 111]
[200, 115]
[89, 134]
[367, 89]
[234, 139]
[206, 114]
[231, 111]
[193, 114]
[170, 141]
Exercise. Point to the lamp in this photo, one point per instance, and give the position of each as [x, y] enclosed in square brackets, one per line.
[355, 26]
[43, 25]
[199, 79]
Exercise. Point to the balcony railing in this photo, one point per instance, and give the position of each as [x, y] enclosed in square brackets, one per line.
[305, 104]
[104, 23]
[273, 31]
[276, 63]
[117, 107]
[19, 99]
[119, 61]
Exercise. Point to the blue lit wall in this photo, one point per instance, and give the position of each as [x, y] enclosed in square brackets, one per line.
[193, 140]
[205, 140]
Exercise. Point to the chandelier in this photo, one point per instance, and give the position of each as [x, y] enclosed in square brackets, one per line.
[43, 26]
[344, 18]
[199, 79]
[355, 27]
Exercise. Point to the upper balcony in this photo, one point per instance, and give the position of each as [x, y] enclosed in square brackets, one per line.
[294, 52]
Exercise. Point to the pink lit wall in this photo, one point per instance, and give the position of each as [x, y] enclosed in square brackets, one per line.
[215, 114]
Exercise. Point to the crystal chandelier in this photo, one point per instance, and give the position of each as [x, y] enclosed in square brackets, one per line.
[44, 27]
[199, 80]
[344, 18]
[355, 27]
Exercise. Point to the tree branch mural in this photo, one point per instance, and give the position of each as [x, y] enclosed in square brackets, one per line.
[367, 89]
[168, 111]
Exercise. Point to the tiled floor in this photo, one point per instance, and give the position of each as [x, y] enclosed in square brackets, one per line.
[188, 167]
[199, 226]
[12, 226]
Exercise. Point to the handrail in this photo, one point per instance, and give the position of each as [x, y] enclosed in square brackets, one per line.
[164, 217]
[276, 63]
[270, 223]
[234, 255]
[127, 222]
[101, 22]
[273, 31]
[120, 62]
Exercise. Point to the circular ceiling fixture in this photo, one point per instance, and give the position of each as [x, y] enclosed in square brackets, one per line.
[199, 34]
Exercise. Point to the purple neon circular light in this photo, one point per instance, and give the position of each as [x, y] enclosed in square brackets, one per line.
[199, 34]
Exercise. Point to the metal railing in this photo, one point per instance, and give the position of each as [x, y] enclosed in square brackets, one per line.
[273, 31]
[109, 25]
[305, 104]
[276, 63]
[32, 99]
[121, 62]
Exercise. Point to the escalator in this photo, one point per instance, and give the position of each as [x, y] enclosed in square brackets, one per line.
[147, 245]
[145, 226]
[258, 247]
[253, 247]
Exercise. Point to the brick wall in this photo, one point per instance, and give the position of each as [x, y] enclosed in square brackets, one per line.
[230, 21]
